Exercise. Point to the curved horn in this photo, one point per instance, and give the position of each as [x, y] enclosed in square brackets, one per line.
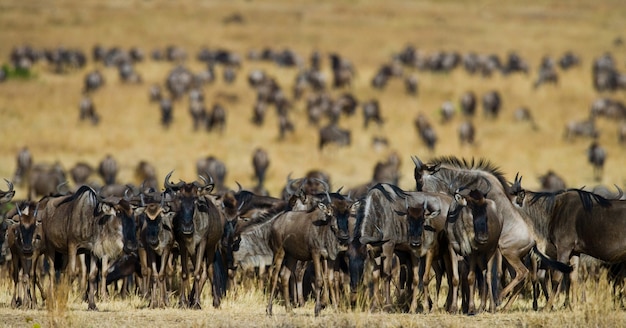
[488, 186]
[238, 186]
[290, 181]
[143, 203]
[61, 185]
[326, 188]
[425, 205]
[620, 193]
[417, 162]
[19, 212]
[167, 184]
[10, 185]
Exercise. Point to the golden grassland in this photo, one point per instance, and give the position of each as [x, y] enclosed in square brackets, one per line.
[42, 112]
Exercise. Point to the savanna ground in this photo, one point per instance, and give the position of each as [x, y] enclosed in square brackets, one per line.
[42, 113]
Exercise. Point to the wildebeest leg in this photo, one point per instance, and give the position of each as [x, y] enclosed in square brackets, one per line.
[103, 278]
[471, 284]
[153, 283]
[184, 279]
[319, 280]
[161, 277]
[198, 281]
[329, 291]
[277, 263]
[415, 267]
[375, 288]
[425, 277]
[387, 264]
[93, 275]
[573, 280]
[298, 279]
[515, 285]
[285, 273]
[557, 276]
[454, 280]
[145, 268]
[83, 272]
[489, 281]
[15, 300]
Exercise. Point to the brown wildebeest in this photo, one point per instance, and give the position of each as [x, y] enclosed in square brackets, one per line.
[473, 228]
[596, 156]
[23, 167]
[468, 103]
[6, 196]
[384, 172]
[491, 104]
[107, 169]
[383, 222]
[157, 237]
[80, 172]
[371, 112]
[216, 118]
[198, 229]
[213, 169]
[46, 179]
[518, 236]
[467, 132]
[145, 175]
[24, 239]
[426, 131]
[316, 235]
[332, 133]
[83, 222]
[551, 181]
[87, 110]
[576, 222]
[260, 162]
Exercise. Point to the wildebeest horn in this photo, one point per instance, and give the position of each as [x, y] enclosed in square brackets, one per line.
[517, 184]
[61, 185]
[417, 162]
[143, 203]
[620, 193]
[339, 190]
[168, 185]
[326, 188]
[19, 212]
[488, 186]
[238, 186]
[10, 185]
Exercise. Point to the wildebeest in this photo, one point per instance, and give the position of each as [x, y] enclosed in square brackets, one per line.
[492, 104]
[213, 169]
[411, 85]
[447, 111]
[155, 94]
[426, 131]
[316, 235]
[547, 73]
[107, 169]
[167, 111]
[93, 81]
[216, 118]
[6, 196]
[551, 182]
[88, 111]
[384, 222]
[24, 239]
[46, 179]
[332, 133]
[371, 112]
[596, 155]
[80, 172]
[576, 222]
[198, 113]
[24, 163]
[468, 103]
[85, 223]
[569, 60]
[260, 162]
[146, 175]
[198, 229]
[518, 236]
[467, 132]
[585, 128]
[342, 71]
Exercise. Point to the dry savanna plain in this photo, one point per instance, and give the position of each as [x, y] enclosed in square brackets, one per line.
[41, 112]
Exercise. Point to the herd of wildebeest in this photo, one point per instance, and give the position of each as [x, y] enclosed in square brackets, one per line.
[463, 221]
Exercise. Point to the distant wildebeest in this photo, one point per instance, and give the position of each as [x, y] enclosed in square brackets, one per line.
[213, 169]
[447, 111]
[468, 103]
[518, 236]
[198, 229]
[411, 85]
[492, 104]
[316, 235]
[93, 81]
[6, 196]
[88, 111]
[178, 81]
[569, 60]
[551, 182]
[585, 128]
[426, 131]
[371, 112]
[332, 133]
[146, 176]
[107, 169]
[83, 222]
[198, 113]
[127, 73]
[342, 71]
[46, 179]
[258, 113]
[229, 74]
[24, 240]
[576, 222]
[621, 133]
[260, 162]
[523, 114]
[467, 132]
[285, 125]
[384, 172]
[515, 63]
[217, 118]
[155, 94]
[596, 155]
[609, 108]
[80, 173]
[547, 73]
[24, 163]
[166, 107]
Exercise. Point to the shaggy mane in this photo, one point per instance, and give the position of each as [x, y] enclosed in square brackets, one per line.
[482, 164]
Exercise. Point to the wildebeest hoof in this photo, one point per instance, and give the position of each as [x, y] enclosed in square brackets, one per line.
[92, 307]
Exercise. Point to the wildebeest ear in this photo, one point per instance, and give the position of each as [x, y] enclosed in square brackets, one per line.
[323, 208]
[460, 199]
[433, 214]
[139, 210]
[354, 207]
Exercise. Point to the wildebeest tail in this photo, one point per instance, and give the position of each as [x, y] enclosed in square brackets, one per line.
[565, 268]
[220, 275]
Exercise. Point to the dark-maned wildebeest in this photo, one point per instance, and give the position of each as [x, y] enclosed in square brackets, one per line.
[576, 222]
[467, 132]
[24, 163]
[46, 179]
[85, 223]
[332, 133]
[167, 112]
[569, 60]
[6, 196]
[317, 235]
[596, 155]
[107, 169]
[198, 229]
[371, 112]
[284, 125]
[24, 239]
[384, 223]
[492, 103]
[426, 131]
[88, 111]
[473, 229]
[551, 182]
[260, 163]
[468, 103]
[518, 236]
[179, 81]
[342, 71]
[547, 73]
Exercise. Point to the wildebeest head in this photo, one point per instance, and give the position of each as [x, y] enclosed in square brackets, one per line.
[517, 192]
[187, 201]
[28, 231]
[416, 218]
[6, 196]
[477, 204]
[125, 212]
[157, 218]
[418, 172]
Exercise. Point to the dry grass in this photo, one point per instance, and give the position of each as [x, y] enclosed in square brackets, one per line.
[42, 113]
